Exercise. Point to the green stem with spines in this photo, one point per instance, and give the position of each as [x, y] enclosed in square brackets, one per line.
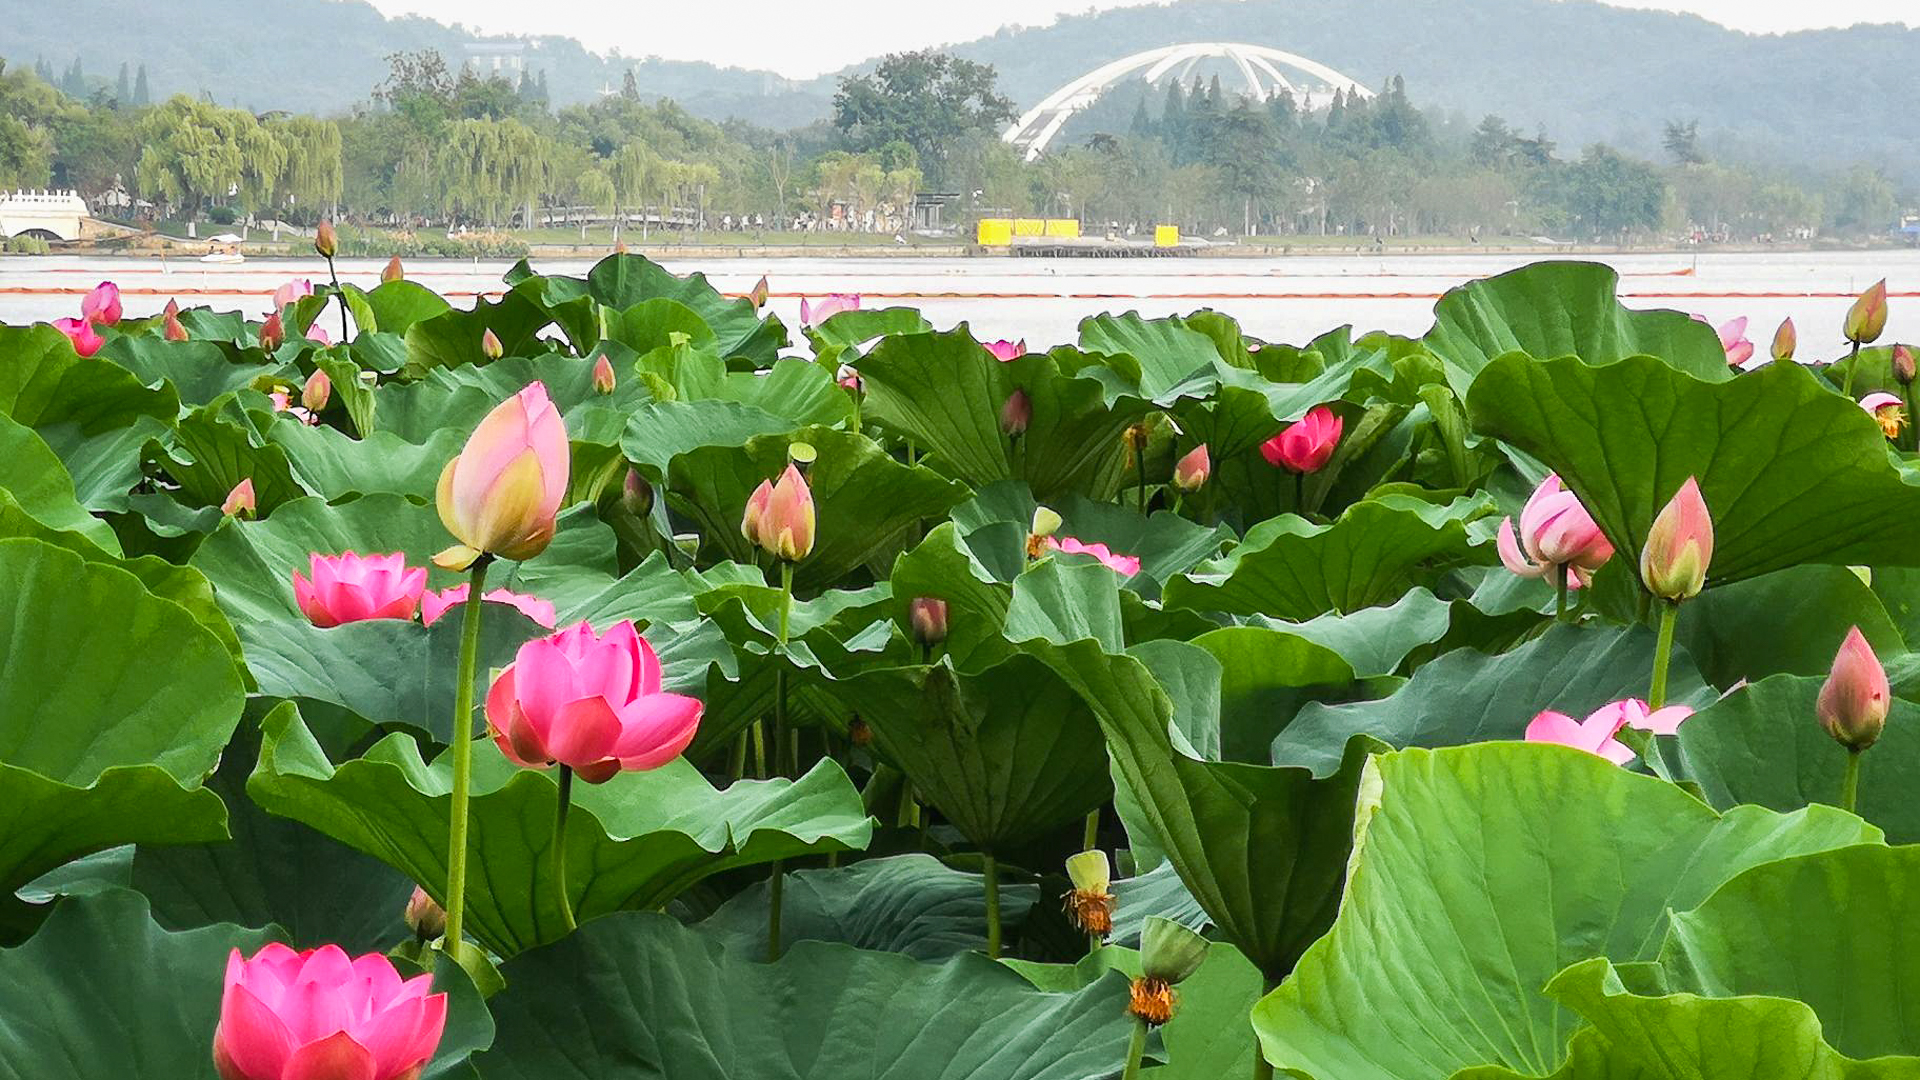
[777, 873]
[565, 801]
[1850, 783]
[1853, 363]
[463, 754]
[1136, 1050]
[1560, 593]
[1662, 656]
[990, 868]
[343, 299]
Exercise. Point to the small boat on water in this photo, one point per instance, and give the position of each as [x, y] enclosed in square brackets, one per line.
[226, 249]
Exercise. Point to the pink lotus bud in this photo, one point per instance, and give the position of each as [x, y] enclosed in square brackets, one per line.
[241, 502]
[320, 1015]
[760, 293]
[1888, 410]
[171, 328]
[314, 395]
[1555, 531]
[1307, 443]
[324, 240]
[1190, 473]
[780, 517]
[1016, 414]
[835, 304]
[636, 494]
[603, 381]
[1902, 363]
[590, 702]
[1867, 319]
[620, 247]
[501, 494]
[849, 379]
[102, 305]
[1124, 565]
[490, 346]
[435, 604]
[928, 615]
[1785, 341]
[1854, 700]
[1005, 351]
[350, 588]
[272, 333]
[86, 340]
[425, 918]
[291, 293]
[1673, 565]
[756, 515]
[394, 271]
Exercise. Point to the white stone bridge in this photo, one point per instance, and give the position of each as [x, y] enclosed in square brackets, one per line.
[49, 215]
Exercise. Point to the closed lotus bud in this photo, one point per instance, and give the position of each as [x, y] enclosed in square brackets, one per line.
[756, 513]
[490, 346]
[1673, 564]
[1867, 319]
[636, 494]
[1854, 700]
[786, 529]
[272, 333]
[1785, 341]
[620, 247]
[241, 502]
[424, 917]
[501, 494]
[1090, 902]
[1016, 414]
[394, 271]
[324, 241]
[760, 293]
[1170, 951]
[603, 381]
[928, 614]
[1190, 472]
[318, 390]
[171, 328]
[1903, 365]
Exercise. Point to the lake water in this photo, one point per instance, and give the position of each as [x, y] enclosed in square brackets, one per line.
[1287, 299]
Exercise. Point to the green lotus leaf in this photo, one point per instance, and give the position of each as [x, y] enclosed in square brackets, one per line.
[621, 281]
[94, 416]
[1375, 640]
[209, 452]
[38, 484]
[1173, 359]
[397, 305]
[452, 338]
[1806, 610]
[334, 465]
[198, 371]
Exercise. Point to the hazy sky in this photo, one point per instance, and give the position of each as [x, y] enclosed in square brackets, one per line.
[803, 38]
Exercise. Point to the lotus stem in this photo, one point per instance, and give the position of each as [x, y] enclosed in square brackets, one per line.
[1179, 500]
[1140, 468]
[565, 801]
[1853, 364]
[1091, 838]
[1300, 493]
[991, 870]
[1662, 655]
[343, 306]
[1560, 593]
[783, 749]
[737, 764]
[776, 886]
[1262, 1068]
[1850, 783]
[1136, 1050]
[1910, 439]
[463, 754]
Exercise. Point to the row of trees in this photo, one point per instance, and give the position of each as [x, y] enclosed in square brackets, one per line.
[434, 145]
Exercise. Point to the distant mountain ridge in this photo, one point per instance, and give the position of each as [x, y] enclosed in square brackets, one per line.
[1586, 71]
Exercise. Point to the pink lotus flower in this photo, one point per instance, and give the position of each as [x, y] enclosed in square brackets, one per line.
[1124, 565]
[318, 1015]
[1190, 473]
[1596, 733]
[102, 305]
[1016, 414]
[171, 328]
[1555, 531]
[501, 494]
[1733, 339]
[490, 345]
[318, 334]
[1867, 319]
[1888, 410]
[928, 616]
[273, 333]
[834, 304]
[849, 378]
[1307, 443]
[1679, 548]
[394, 271]
[283, 402]
[1005, 351]
[590, 702]
[241, 501]
[1786, 341]
[1854, 700]
[350, 588]
[86, 340]
[780, 517]
[603, 381]
[315, 394]
[435, 604]
[291, 293]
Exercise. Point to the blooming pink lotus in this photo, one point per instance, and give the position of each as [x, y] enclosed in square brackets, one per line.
[1125, 565]
[283, 402]
[1005, 351]
[319, 336]
[591, 702]
[1854, 700]
[319, 1015]
[1555, 532]
[241, 501]
[1307, 443]
[86, 340]
[435, 604]
[835, 304]
[291, 293]
[1888, 409]
[102, 305]
[1733, 339]
[780, 517]
[351, 588]
[501, 494]
[1596, 733]
[1679, 548]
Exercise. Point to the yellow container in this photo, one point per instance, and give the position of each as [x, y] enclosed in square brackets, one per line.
[995, 232]
[1029, 227]
[1063, 228]
[1166, 236]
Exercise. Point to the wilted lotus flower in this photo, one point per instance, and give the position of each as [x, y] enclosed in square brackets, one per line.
[435, 604]
[1090, 902]
[86, 340]
[102, 305]
[1005, 351]
[1867, 319]
[425, 918]
[291, 293]
[1888, 410]
[928, 616]
[1673, 564]
[834, 304]
[591, 702]
[171, 328]
[272, 333]
[603, 381]
[1555, 531]
[780, 517]
[320, 1016]
[1786, 341]
[1169, 955]
[1855, 698]
[1191, 471]
[241, 502]
[1125, 565]
[1016, 414]
[394, 271]
[1596, 733]
[501, 494]
[1306, 444]
[350, 588]
[318, 390]
[324, 240]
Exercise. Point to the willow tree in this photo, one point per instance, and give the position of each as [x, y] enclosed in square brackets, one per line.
[491, 166]
[631, 171]
[194, 152]
[312, 176]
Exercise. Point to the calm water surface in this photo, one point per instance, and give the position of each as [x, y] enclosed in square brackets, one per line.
[1042, 300]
